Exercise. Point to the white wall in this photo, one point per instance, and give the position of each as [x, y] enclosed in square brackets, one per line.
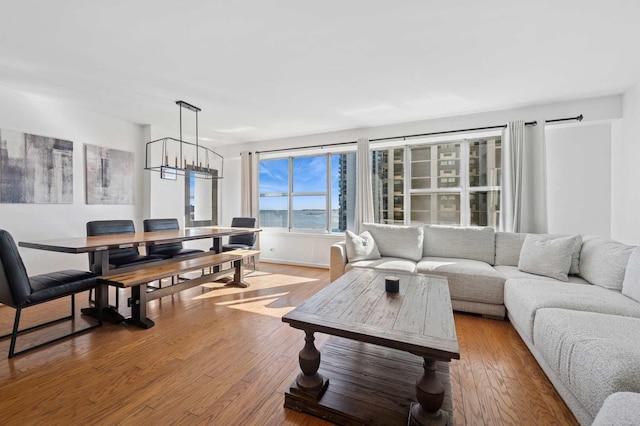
[166, 197]
[297, 248]
[309, 249]
[593, 109]
[46, 117]
[230, 199]
[579, 179]
[625, 225]
[163, 198]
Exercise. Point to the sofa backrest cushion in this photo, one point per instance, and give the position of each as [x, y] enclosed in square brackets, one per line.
[631, 283]
[550, 257]
[603, 262]
[397, 240]
[460, 243]
[508, 246]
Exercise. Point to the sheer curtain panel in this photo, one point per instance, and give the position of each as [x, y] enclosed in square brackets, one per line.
[511, 193]
[249, 184]
[364, 194]
[523, 198]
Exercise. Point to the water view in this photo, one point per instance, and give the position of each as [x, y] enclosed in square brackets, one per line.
[302, 219]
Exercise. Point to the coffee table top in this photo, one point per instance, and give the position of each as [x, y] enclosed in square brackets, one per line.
[417, 319]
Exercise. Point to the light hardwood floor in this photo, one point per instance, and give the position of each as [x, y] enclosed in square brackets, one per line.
[222, 356]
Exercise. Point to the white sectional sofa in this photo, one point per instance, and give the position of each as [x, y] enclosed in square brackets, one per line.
[584, 332]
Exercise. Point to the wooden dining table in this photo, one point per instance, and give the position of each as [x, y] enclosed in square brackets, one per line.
[102, 244]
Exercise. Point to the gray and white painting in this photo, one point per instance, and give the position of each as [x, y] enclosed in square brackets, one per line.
[109, 175]
[35, 169]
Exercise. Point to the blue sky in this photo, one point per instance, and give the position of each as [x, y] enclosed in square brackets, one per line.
[309, 175]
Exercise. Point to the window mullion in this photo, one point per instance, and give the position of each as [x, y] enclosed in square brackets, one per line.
[406, 168]
[464, 183]
[328, 195]
[290, 212]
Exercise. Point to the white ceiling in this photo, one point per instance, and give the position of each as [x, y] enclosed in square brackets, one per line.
[267, 69]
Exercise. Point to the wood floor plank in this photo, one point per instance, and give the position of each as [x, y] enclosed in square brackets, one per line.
[471, 379]
[220, 355]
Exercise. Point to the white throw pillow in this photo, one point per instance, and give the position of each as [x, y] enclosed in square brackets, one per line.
[548, 257]
[361, 247]
[631, 283]
[397, 240]
[603, 262]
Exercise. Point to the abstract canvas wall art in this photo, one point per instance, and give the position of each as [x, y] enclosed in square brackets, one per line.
[110, 178]
[35, 169]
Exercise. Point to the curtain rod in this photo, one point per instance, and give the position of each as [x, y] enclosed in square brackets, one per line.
[444, 132]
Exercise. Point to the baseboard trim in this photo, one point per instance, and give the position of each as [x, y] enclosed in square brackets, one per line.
[288, 262]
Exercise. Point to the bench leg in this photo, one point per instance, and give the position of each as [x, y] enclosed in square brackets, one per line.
[238, 276]
[138, 304]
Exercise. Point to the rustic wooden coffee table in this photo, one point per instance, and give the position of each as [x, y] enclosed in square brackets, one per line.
[370, 364]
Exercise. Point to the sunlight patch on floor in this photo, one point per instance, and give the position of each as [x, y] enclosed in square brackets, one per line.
[252, 299]
[278, 280]
[259, 305]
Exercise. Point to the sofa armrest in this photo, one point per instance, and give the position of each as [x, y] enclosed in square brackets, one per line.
[338, 260]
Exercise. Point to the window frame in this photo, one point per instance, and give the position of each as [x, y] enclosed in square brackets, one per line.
[328, 193]
[464, 189]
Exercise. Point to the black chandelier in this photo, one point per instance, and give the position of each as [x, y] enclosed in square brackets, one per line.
[176, 157]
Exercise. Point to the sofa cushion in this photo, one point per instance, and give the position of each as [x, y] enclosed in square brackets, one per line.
[469, 279]
[510, 272]
[397, 240]
[389, 263]
[594, 354]
[603, 262]
[508, 246]
[361, 247]
[462, 243]
[523, 298]
[546, 256]
[619, 409]
[631, 283]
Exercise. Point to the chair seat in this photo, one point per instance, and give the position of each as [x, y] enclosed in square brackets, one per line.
[230, 247]
[171, 252]
[123, 262]
[57, 284]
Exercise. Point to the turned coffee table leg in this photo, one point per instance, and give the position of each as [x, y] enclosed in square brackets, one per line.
[309, 380]
[430, 395]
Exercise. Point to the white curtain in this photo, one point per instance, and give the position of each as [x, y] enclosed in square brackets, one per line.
[364, 194]
[248, 184]
[534, 206]
[523, 198]
[249, 172]
[511, 193]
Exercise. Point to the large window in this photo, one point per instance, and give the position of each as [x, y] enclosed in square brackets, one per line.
[448, 183]
[274, 193]
[388, 185]
[314, 192]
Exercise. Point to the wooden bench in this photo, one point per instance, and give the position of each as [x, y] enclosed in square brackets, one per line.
[245, 253]
[138, 278]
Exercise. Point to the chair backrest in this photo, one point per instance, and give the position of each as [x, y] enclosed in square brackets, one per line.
[152, 225]
[243, 222]
[108, 227]
[14, 281]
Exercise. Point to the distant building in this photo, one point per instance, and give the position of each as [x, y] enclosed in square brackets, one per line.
[347, 194]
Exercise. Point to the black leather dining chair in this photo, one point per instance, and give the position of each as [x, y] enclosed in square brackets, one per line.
[20, 291]
[244, 241]
[166, 251]
[122, 257]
